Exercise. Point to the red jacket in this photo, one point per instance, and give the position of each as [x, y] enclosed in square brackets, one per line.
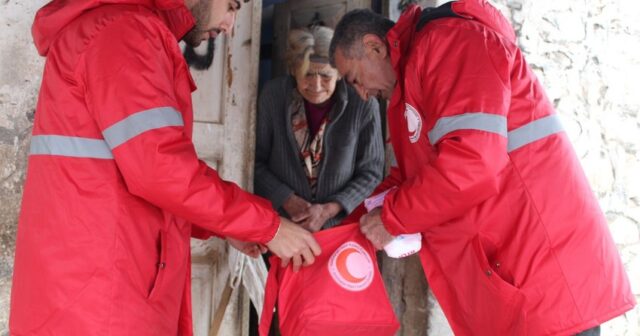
[514, 240]
[114, 181]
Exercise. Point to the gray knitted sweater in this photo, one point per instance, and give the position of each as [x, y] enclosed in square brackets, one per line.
[353, 159]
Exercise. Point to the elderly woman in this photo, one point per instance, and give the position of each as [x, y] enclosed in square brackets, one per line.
[319, 148]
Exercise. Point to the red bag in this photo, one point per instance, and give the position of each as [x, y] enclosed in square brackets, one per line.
[342, 293]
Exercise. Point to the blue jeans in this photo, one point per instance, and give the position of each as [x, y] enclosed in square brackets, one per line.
[595, 331]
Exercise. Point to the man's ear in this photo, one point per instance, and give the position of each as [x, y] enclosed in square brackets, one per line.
[374, 46]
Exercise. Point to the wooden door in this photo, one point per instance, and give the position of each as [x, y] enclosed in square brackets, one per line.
[224, 110]
[414, 305]
[303, 13]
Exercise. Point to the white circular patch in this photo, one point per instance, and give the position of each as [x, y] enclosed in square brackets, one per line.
[351, 267]
[414, 122]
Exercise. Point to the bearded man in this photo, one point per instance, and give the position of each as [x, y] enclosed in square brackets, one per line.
[114, 189]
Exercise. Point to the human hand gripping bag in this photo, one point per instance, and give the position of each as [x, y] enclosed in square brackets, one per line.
[403, 245]
[342, 293]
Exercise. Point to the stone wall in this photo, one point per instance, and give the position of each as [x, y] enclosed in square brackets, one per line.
[586, 53]
[20, 74]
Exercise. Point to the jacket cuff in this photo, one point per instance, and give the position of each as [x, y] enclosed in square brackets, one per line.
[273, 230]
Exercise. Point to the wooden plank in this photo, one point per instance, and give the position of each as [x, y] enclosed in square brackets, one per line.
[224, 128]
[407, 288]
[300, 13]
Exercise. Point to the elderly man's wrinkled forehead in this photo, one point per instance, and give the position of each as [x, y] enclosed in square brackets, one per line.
[351, 29]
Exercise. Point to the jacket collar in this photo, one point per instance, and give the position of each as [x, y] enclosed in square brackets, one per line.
[178, 19]
[402, 35]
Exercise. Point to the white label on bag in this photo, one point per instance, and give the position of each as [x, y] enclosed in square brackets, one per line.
[404, 245]
[376, 201]
[351, 267]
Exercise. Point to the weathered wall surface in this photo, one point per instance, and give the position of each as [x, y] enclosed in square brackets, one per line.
[20, 73]
[587, 55]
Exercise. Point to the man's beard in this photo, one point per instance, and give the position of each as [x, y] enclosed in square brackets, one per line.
[198, 61]
[200, 12]
[192, 38]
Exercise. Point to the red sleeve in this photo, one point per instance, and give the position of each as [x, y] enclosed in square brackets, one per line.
[465, 82]
[131, 74]
[200, 233]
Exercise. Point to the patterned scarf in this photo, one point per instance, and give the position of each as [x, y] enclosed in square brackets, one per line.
[310, 148]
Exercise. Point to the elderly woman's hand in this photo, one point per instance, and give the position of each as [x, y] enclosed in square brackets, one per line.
[297, 208]
[320, 214]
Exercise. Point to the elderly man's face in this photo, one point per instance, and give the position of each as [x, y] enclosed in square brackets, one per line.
[212, 18]
[371, 74]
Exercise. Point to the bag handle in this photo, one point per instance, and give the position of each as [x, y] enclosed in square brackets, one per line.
[216, 323]
[270, 297]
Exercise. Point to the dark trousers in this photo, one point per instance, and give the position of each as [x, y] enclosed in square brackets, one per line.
[595, 331]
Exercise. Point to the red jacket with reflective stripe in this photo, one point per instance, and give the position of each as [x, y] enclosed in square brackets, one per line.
[514, 240]
[114, 182]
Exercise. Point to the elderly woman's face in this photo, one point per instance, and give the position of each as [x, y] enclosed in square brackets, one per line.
[318, 83]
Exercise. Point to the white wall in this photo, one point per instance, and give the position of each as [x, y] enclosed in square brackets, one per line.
[587, 55]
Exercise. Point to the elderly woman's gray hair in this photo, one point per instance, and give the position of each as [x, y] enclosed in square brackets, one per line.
[307, 45]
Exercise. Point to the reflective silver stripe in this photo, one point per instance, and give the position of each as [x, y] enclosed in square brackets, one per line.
[140, 122]
[471, 121]
[534, 131]
[517, 138]
[70, 146]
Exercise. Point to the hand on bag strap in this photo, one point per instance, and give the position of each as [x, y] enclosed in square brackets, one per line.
[235, 279]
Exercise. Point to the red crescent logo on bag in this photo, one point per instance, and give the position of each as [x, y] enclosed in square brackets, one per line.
[351, 267]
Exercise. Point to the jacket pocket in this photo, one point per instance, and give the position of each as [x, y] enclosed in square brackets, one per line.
[498, 306]
[160, 266]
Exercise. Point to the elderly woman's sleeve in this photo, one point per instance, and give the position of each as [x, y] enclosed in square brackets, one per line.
[369, 163]
[266, 184]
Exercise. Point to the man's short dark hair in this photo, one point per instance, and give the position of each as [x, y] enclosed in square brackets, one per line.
[353, 26]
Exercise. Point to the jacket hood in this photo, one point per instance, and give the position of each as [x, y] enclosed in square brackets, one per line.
[485, 13]
[57, 14]
[402, 33]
